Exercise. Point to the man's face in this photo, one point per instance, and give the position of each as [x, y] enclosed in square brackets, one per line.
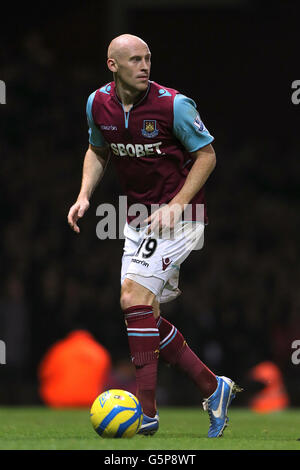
[133, 65]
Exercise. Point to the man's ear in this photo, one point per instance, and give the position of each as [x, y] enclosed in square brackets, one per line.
[112, 65]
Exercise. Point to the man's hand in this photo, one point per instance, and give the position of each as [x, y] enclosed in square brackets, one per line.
[76, 212]
[163, 221]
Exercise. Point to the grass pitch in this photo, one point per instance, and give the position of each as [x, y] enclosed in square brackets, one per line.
[41, 428]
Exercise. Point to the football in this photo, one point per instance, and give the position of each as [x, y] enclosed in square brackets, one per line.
[116, 413]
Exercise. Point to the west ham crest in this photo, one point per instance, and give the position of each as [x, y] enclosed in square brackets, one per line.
[149, 128]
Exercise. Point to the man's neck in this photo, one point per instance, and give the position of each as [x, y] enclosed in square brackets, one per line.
[128, 96]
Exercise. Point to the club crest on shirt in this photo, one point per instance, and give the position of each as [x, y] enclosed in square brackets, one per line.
[149, 128]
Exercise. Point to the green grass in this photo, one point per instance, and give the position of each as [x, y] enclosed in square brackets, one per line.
[180, 429]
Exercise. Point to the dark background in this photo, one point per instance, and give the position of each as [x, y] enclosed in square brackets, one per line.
[241, 296]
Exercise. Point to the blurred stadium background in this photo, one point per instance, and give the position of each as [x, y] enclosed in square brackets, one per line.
[241, 298]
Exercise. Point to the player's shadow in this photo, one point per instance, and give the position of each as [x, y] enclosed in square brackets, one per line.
[181, 435]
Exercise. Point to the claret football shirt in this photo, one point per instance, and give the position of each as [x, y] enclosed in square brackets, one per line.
[151, 144]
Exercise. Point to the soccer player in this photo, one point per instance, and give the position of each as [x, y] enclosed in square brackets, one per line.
[163, 156]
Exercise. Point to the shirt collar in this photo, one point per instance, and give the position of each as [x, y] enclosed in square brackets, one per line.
[114, 92]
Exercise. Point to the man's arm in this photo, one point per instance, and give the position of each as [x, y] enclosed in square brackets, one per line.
[168, 216]
[95, 161]
[204, 164]
[189, 129]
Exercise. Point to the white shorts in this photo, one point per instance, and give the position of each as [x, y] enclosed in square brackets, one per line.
[155, 262]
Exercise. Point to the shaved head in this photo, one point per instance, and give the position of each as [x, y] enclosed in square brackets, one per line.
[123, 44]
[129, 59]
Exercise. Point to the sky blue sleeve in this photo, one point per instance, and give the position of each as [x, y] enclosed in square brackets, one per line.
[95, 136]
[187, 125]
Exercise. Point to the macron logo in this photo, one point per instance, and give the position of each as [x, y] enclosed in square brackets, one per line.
[109, 128]
[106, 89]
[165, 263]
[162, 92]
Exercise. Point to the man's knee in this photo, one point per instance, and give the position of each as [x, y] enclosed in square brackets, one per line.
[126, 297]
[156, 308]
[133, 293]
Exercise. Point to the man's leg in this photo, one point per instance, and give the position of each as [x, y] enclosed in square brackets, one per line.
[143, 337]
[217, 392]
[174, 350]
